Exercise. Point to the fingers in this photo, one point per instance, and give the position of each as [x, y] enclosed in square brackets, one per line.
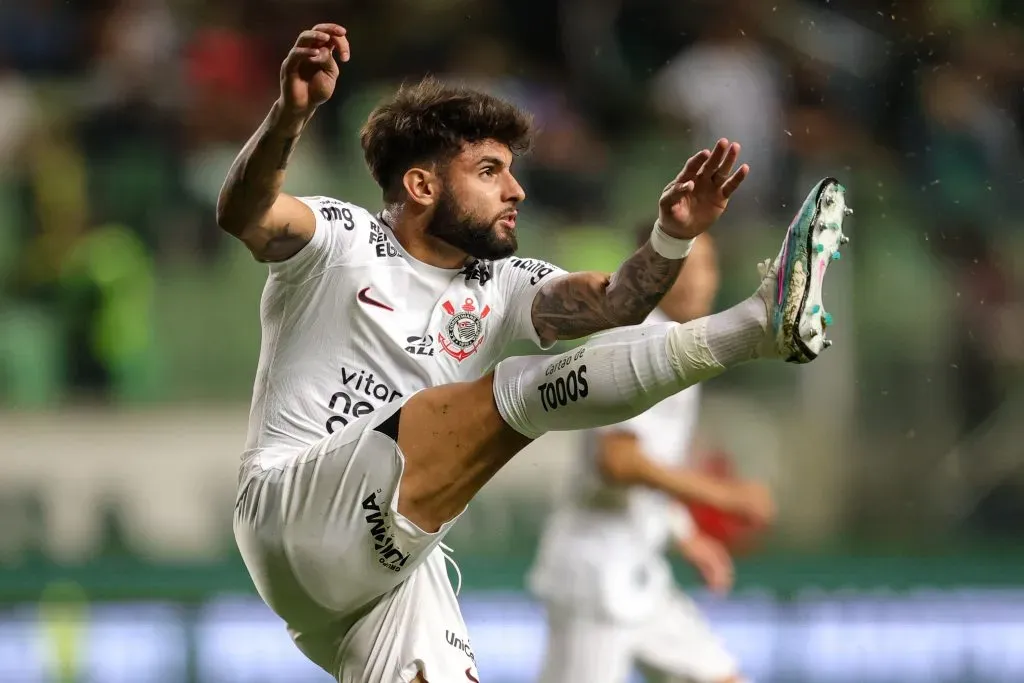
[310, 46]
[720, 575]
[693, 165]
[342, 46]
[339, 39]
[333, 29]
[675, 191]
[313, 38]
[300, 55]
[330, 36]
[718, 155]
[731, 155]
[733, 182]
[727, 569]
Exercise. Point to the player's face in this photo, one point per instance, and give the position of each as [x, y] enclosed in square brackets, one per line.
[693, 293]
[476, 211]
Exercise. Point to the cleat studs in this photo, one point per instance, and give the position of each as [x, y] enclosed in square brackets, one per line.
[843, 239]
[815, 308]
[826, 318]
[836, 256]
[819, 248]
[827, 342]
[834, 226]
[848, 211]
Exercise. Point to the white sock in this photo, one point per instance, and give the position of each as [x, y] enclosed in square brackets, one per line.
[619, 374]
[740, 333]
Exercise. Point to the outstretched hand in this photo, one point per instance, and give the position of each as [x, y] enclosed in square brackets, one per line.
[699, 195]
[309, 72]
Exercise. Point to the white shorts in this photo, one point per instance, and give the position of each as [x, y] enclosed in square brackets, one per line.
[365, 592]
[674, 643]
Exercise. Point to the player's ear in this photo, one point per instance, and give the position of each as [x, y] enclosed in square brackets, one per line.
[422, 185]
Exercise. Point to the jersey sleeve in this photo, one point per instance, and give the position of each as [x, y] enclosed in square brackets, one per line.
[335, 225]
[520, 280]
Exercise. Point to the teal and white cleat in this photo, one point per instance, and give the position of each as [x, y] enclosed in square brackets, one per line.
[792, 286]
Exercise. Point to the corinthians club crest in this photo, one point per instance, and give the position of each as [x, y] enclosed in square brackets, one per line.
[464, 330]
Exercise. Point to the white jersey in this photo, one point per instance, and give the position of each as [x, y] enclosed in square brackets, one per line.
[352, 322]
[609, 538]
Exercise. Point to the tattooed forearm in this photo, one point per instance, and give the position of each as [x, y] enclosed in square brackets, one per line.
[583, 303]
[257, 174]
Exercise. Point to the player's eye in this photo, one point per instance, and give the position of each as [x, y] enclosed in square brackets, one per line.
[488, 171]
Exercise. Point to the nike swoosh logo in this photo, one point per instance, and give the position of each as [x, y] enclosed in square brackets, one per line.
[365, 298]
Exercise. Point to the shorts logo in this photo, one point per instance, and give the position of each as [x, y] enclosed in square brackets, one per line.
[388, 555]
[464, 331]
[459, 644]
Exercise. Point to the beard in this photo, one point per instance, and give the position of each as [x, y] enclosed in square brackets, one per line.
[478, 237]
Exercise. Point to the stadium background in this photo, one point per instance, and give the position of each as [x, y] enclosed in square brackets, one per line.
[129, 331]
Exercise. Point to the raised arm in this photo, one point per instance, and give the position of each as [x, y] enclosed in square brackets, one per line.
[580, 304]
[273, 225]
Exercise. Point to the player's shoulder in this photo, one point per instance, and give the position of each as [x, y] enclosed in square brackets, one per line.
[531, 269]
[335, 210]
[352, 226]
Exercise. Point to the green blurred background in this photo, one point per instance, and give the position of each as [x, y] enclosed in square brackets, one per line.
[129, 330]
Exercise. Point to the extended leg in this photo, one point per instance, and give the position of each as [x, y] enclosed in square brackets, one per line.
[456, 437]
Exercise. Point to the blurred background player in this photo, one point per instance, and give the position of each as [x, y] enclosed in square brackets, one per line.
[601, 570]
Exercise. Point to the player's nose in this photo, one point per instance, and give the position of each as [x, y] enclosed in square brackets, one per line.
[514, 192]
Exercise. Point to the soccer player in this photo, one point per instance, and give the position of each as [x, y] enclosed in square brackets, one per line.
[378, 411]
[607, 587]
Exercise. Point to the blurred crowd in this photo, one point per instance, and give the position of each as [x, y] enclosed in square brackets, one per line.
[120, 118]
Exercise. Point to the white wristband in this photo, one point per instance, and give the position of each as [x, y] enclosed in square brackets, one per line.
[668, 246]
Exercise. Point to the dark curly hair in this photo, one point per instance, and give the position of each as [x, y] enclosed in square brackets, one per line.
[430, 122]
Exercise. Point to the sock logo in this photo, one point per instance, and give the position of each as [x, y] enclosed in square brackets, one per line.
[562, 391]
[565, 361]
